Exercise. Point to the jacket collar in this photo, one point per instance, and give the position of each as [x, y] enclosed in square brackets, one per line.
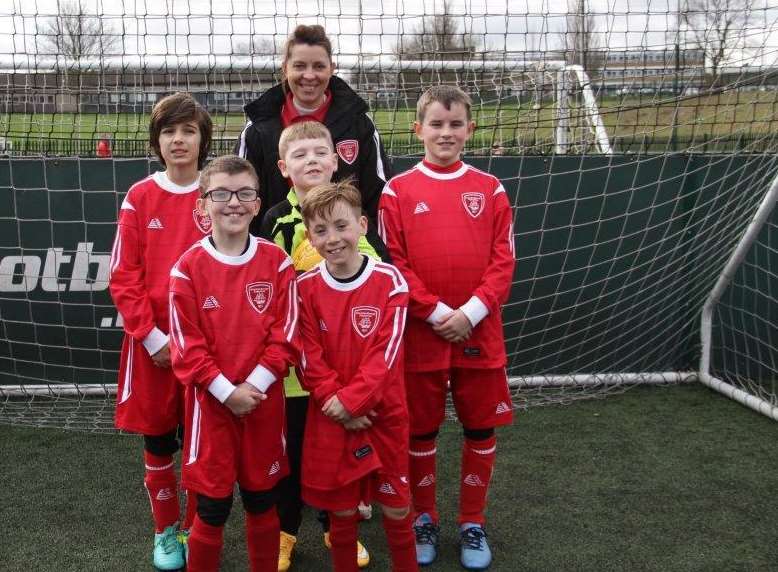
[268, 106]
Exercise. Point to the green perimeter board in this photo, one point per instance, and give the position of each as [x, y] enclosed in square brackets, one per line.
[596, 240]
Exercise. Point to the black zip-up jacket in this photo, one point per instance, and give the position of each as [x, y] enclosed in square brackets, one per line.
[347, 121]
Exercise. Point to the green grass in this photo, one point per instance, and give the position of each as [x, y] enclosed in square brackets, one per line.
[663, 478]
[644, 120]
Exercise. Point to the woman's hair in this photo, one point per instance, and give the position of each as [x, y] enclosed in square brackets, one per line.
[310, 35]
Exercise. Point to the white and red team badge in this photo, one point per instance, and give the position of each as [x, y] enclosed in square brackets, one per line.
[259, 295]
[473, 203]
[348, 150]
[202, 221]
[365, 319]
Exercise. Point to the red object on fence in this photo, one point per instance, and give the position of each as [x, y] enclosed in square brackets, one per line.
[104, 148]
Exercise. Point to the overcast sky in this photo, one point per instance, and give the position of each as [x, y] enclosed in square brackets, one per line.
[202, 27]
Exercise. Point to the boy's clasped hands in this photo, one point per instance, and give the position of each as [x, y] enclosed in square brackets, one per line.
[334, 409]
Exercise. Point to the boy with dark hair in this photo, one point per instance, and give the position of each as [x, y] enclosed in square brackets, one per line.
[233, 314]
[449, 230]
[158, 221]
[352, 317]
[307, 159]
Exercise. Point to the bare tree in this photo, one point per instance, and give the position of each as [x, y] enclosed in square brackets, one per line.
[76, 33]
[258, 47]
[437, 38]
[717, 27]
[581, 39]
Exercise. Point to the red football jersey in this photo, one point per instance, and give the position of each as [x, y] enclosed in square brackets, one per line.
[158, 221]
[450, 232]
[232, 319]
[351, 337]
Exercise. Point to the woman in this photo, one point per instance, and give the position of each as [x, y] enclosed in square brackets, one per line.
[309, 90]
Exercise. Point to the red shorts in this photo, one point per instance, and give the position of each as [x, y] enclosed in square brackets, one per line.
[221, 449]
[149, 399]
[481, 398]
[387, 489]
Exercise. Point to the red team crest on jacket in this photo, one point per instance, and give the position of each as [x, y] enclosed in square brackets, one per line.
[203, 221]
[474, 203]
[348, 150]
[259, 295]
[365, 319]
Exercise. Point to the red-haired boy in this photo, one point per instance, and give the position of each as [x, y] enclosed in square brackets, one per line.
[352, 317]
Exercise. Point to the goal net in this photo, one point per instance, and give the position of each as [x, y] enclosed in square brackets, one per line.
[636, 142]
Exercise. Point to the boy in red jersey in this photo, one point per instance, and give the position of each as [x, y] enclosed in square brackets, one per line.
[352, 317]
[233, 313]
[449, 230]
[158, 221]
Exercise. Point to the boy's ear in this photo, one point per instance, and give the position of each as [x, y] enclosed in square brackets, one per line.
[282, 168]
[334, 161]
[363, 224]
[417, 129]
[470, 128]
[200, 204]
[307, 234]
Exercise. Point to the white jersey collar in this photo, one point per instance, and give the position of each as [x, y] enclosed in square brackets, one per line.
[441, 176]
[161, 178]
[231, 260]
[346, 286]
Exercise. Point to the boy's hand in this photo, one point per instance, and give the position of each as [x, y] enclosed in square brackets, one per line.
[334, 409]
[244, 399]
[454, 327]
[162, 357]
[358, 423]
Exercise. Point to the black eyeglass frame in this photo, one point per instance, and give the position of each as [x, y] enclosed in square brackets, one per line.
[209, 194]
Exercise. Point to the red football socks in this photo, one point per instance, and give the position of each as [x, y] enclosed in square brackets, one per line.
[343, 536]
[262, 534]
[477, 467]
[160, 482]
[402, 543]
[422, 475]
[205, 547]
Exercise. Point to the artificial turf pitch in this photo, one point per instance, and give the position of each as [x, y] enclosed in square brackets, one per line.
[657, 478]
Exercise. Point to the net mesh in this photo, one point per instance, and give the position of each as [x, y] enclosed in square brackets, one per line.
[635, 140]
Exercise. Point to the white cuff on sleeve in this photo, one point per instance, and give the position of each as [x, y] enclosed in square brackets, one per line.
[221, 388]
[261, 378]
[440, 310]
[155, 341]
[475, 310]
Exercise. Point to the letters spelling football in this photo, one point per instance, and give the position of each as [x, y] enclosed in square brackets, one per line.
[364, 319]
[259, 295]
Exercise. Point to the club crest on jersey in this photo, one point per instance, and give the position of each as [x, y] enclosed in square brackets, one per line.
[473, 203]
[202, 221]
[364, 319]
[259, 295]
[348, 150]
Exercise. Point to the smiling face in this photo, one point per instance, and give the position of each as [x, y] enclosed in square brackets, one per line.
[335, 236]
[444, 132]
[308, 162]
[308, 70]
[232, 218]
[179, 144]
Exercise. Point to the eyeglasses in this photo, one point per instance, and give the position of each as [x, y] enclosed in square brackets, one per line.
[245, 195]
